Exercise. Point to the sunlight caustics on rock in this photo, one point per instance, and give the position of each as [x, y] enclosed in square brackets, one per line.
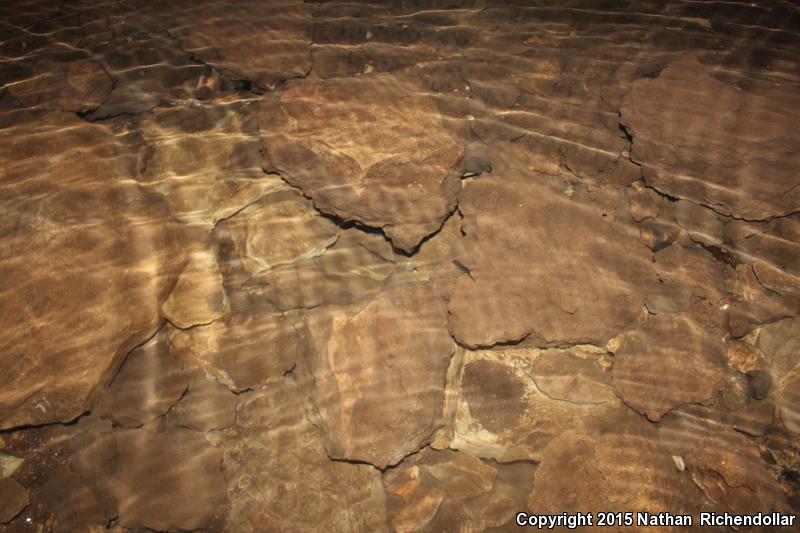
[422, 266]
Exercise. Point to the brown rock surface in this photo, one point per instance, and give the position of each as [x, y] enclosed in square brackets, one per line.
[87, 259]
[724, 464]
[149, 383]
[370, 150]
[454, 491]
[280, 477]
[243, 350]
[169, 480]
[13, 499]
[198, 297]
[280, 229]
[457, 267]
[617, 464]
[686, 121]
[502, 413]
[669, 361]
[376, 374]
[203, 159]
[679, 267]
[265, 42]
[207, 405]
[355, 266]
[79, 86]
[521, 234]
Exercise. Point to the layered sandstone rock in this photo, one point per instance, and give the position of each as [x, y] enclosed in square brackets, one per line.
[274, 455]
[370, 150]
[686, 121]
[686, 366]
[88, 258]
[510, 404]
[376, 374]
[542, 263]
[505, 256]
[266, 43]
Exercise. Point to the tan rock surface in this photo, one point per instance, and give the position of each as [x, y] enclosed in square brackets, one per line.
[454, 491]
[671, 360]
[280, 477]
[370, 150]
[207, 405]
[458, 265]
[169, 480]
[724, 464]
[243, 350]
[14, 499]
[204, 159]
[79, 86]
[685, 121]
[281, 228]
[502, 413]
[198, 297]
[376, 374]
[87, 260]
[356, 266]
[265, 42]
[149, 383]
[521, 235]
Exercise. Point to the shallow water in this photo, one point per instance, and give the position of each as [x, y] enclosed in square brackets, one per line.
[398, 266]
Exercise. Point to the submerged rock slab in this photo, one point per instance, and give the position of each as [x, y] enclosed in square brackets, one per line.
[454, 491]
[617, 464]
[264, 42]
[13, 499]
[372, 150]
[204, 159]
[88, 257]
[376, 374]
[166, 481]
[716, 144]
[280, 478]
[149, 383]
[243, 350]
[79, 86]
[198, 297]
[542, 263]
[669, 361]
[510, 404]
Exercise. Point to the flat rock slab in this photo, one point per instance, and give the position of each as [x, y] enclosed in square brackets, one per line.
[715, 144]
[207, 406]
[79, 86]
[204, 159]
[724, 463]
[371, 150]
[358, 264]
[669, 361]
[149, 383]
[198, 297]
[88, 257]
[264, 42]
[243, 350]
[454, 491]
[13, 499]
[541, 263]
[169, 480]
[281, 479]
[616, 465]
[281, 228]
[575, 376]
[510, 404]
[376, 374]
